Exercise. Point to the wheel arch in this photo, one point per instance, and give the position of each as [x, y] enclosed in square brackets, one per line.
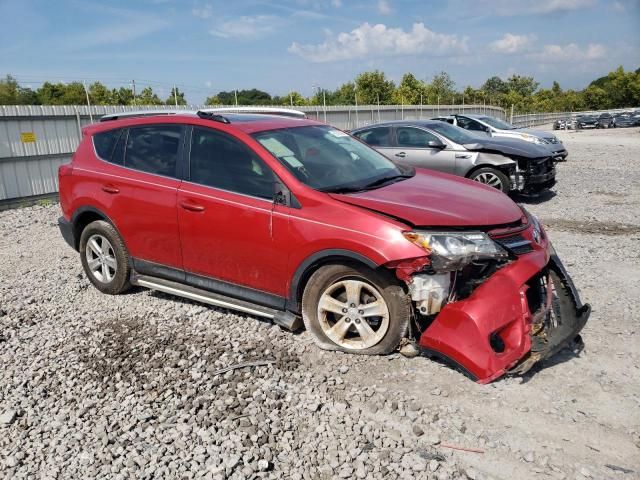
[82, 217]
[312, 263]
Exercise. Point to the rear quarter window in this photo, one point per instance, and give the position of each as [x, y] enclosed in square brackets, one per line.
[105, 143]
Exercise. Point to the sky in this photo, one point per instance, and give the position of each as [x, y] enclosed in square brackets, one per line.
[205, 46]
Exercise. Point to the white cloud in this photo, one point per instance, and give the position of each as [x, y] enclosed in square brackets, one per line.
[203, 12]
[570, 53]
[384, 8]
[511, 43]
[527, 7]
[247, 28]
[379, 40]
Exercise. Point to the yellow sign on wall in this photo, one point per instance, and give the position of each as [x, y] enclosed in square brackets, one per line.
[28, 137]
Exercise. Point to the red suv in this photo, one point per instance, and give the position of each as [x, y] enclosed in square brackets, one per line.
[291, 219]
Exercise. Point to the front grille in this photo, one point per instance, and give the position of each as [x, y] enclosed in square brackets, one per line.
[540, 168]
[516, 244]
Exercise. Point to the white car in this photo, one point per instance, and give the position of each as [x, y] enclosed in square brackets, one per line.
[494, 127]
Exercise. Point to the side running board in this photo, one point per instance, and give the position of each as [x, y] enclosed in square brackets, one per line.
[285, 319]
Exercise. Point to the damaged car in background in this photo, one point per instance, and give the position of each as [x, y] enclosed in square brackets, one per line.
[497, 128]
[295, 221]
[510, 165]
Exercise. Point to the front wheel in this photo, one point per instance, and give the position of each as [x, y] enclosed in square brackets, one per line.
[355, 309]
[491, 177]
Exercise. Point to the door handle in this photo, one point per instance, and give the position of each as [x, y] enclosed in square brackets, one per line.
[462, 155]
[401, 154]
[192, 207]
[110, 189]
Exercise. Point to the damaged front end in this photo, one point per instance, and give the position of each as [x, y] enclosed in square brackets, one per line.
[493, 302]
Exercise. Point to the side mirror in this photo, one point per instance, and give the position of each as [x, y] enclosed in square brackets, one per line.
[436, 144]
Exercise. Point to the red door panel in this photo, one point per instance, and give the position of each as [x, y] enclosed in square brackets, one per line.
[233, 237]
[142, 207]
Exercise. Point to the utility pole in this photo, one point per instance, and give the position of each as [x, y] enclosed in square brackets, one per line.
[324, 104]
[291, 98]
[86, 92]
[511, 120]
[357, 117]
[378, 97]
[421, 106]
[175, 95]
[235, 93]
[133, 85]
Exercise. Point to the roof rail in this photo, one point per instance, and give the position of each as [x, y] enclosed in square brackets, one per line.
[141, 113]
[284, 112]
[212, 116]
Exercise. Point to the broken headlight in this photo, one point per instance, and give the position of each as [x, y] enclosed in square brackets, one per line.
[454, 250]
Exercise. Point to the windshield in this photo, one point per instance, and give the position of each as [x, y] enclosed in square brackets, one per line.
[330, 160]
[453, 133]
[497, 123]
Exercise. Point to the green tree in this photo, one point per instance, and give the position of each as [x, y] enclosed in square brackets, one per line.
[371, 86]
[411, 91]
[494, 87]
[292, 98]
[523, 86]
[99, 94]
[442, 87]
[148, 97]
[175, 97]
[51, 93]
[213, 100]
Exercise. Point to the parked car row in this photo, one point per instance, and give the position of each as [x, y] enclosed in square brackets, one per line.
[296, 221]
[603, 120]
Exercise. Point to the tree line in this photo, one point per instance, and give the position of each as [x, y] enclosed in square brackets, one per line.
[617, 89]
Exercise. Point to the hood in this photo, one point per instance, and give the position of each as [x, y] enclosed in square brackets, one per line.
[440, 200]
[508, 147]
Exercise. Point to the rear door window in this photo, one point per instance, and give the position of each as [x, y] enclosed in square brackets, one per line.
[154, 149]
[376, 137]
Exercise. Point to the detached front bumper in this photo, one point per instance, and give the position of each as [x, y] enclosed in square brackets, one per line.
[494, 331]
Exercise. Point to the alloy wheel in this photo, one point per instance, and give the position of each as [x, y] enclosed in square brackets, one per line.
[490, 179]
[101, 258]
[353, 314]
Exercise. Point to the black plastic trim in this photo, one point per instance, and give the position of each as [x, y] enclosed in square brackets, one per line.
[67, 232]
[76, 215]
[236, 291]
[152, 269]
[228, 289]
[292, 303]
[427, 352]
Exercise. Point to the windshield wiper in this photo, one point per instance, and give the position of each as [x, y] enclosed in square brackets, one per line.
[369, 186]
[387, 180]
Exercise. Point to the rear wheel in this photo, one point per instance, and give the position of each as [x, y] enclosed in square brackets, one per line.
[491, 177]
[104, 258]
[355, 309]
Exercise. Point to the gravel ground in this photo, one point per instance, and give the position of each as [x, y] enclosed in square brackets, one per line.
[94, 386]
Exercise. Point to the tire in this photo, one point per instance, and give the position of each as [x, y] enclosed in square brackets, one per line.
[101, 244]
[383, 332]
[492, 177]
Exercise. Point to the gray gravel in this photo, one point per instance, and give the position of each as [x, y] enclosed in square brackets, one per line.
[94, 386]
